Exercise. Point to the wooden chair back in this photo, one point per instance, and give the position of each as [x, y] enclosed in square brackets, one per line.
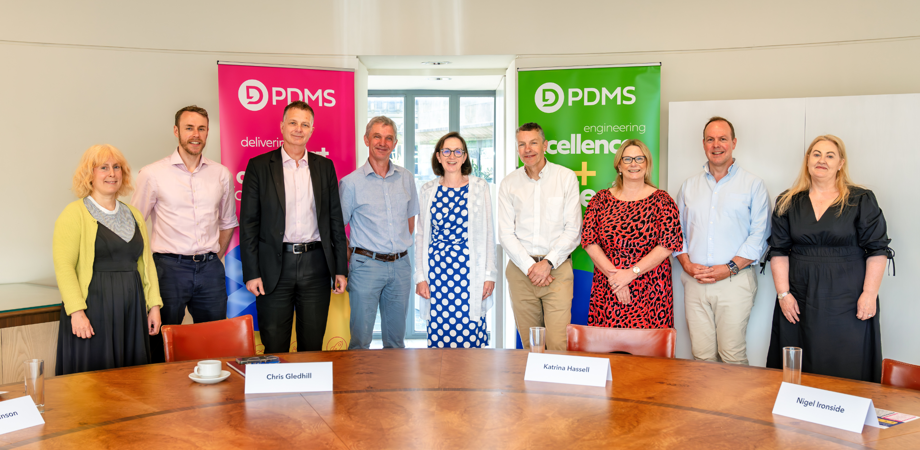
[218, 339]
[900, 374]
[635, 341]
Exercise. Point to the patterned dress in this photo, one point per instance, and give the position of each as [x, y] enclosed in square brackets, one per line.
[449, 325]
[627, 231]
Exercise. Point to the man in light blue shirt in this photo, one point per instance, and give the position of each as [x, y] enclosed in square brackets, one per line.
[725, 217]
[380, 202]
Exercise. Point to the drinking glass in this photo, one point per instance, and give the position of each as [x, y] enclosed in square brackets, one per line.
[792, 365]
[35, 382]
[537, 339]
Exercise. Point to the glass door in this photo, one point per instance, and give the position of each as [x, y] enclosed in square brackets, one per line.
[477, 126]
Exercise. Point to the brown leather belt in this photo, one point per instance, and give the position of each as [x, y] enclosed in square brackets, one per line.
[380, 256]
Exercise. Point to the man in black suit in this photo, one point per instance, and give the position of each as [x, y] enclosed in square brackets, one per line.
[292, 236]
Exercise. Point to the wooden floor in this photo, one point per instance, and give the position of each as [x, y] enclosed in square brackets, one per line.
[449, 399]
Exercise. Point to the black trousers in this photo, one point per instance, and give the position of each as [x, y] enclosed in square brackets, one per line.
[305, 287]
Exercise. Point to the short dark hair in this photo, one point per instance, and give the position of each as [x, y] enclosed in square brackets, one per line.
[466, 168]
[298, 105]
[192, 108]
[718, 119]
[531, 126]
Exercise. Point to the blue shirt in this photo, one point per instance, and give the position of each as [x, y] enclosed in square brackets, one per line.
[379, 209]
[724, 219]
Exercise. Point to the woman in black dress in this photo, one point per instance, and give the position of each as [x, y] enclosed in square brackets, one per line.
[105, 271]
[828, 251]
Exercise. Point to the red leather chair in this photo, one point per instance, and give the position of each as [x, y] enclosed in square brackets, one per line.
[655, 342]
[900, 374]
[218, 339]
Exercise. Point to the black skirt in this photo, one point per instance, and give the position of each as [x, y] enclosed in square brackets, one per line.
[826, 283]
[116, 310]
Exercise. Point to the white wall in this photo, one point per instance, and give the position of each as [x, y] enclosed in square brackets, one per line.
[768, 132]
[60, 101]
[505, 163]
[80, 73]
[882, 154]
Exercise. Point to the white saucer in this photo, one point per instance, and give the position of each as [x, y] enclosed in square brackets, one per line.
[223, 376]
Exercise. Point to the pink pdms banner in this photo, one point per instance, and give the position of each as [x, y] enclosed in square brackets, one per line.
[252, 100]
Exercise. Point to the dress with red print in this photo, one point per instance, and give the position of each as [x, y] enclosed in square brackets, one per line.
[627, 231]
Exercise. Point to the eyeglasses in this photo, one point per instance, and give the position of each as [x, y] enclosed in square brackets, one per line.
[458, 152]
[630, 159]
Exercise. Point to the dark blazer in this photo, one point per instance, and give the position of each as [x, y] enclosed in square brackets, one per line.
[262, 217]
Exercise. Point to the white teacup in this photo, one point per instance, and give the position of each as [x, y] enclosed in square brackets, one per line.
[208, 369]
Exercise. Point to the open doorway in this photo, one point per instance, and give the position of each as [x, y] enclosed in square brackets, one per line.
[423, 117]
[427, 103]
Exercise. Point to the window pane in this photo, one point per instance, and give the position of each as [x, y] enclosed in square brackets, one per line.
[477, 126]
[432, 120]
[394, 108]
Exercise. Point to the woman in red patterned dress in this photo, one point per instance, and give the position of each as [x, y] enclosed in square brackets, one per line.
[629, 232]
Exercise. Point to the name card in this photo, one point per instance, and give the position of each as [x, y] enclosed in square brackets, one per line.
[832, 409]
[19, 413]
[567, 369]
[291, 377]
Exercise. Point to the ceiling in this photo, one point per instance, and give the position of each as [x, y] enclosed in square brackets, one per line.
[457, 62]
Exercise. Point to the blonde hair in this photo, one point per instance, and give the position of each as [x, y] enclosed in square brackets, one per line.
[803, 182]
[618, 182]
[96, 156]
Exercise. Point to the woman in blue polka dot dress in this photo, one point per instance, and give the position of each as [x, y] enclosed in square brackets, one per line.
[455, 250]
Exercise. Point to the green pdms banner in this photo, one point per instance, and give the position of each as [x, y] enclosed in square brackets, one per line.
[586, 113]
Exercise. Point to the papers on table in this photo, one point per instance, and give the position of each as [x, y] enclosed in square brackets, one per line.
[888, 419]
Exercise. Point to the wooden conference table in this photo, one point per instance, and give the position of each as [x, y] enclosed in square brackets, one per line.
[449, 399]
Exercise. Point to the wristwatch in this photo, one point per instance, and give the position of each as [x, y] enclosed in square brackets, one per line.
[733, 268]
[781, 295]
[636, 270]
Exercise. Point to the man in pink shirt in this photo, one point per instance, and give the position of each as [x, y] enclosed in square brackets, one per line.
[189, 201]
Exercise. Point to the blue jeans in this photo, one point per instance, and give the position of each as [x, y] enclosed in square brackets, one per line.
[372, 283]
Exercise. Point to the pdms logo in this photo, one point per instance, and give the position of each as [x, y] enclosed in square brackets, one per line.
[254, 95]
[550, 96]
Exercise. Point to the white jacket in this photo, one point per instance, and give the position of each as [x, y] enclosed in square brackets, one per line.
[481, 235]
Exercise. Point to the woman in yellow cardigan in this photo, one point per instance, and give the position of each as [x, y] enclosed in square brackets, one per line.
[105, 271]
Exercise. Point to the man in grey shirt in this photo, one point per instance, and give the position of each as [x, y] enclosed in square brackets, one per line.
[380, 202]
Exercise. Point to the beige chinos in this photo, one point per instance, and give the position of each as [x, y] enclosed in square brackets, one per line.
[548, 306]
[717, 316]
